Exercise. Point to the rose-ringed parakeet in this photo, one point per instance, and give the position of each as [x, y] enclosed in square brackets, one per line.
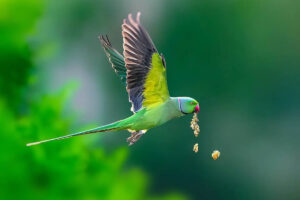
[143, 70]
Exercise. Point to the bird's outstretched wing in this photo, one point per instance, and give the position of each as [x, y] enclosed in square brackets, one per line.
[146, 70]
[114, 57]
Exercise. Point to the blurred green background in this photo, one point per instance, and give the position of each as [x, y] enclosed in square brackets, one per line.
[239, 58]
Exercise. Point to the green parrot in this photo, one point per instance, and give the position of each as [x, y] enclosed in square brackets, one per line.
[143, 71]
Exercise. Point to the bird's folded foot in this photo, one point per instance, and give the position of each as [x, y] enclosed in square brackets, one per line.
[135, 136]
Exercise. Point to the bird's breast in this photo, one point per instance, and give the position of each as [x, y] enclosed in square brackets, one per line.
[155, 116]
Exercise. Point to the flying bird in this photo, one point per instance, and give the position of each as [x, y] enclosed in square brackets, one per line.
[143, 71]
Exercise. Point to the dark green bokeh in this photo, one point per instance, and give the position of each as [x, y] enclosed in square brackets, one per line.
[239, 59]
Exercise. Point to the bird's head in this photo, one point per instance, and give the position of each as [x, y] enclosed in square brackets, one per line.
[188, 105]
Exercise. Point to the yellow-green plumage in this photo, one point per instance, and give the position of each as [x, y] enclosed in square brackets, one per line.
[156, 88]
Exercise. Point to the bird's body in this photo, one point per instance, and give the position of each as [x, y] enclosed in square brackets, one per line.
[143, 71]
[155, 116]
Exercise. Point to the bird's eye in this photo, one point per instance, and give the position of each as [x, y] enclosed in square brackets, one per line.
[192, 103]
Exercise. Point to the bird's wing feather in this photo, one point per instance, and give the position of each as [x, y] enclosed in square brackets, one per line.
[114, 57]
[146, 71]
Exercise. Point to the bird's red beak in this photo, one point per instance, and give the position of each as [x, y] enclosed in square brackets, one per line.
[197, 108]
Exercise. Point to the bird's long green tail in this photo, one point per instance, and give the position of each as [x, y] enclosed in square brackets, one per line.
[109, 127]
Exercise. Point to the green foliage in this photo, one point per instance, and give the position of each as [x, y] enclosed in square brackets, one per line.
[61, 169]
[17, 20]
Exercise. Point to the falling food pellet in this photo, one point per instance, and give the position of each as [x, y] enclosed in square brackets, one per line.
[216, 154]
[195, 149]
[194, 125]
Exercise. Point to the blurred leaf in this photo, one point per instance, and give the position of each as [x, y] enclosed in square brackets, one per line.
[17, 20]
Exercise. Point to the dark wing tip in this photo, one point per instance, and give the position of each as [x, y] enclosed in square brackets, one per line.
[131, 21]
[104, 40]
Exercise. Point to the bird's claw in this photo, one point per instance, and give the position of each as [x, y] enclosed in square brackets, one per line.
[135, 136]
